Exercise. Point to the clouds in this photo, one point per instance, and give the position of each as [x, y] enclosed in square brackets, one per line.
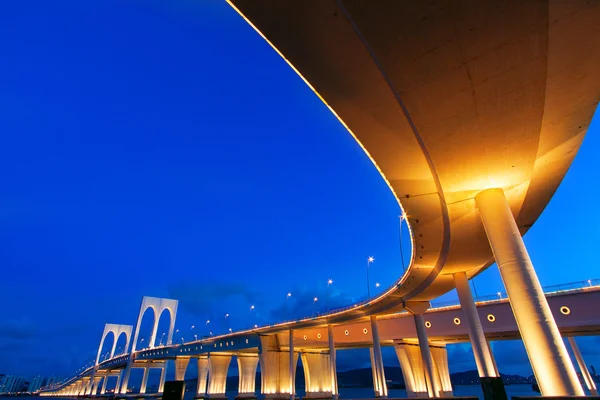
[18, 329]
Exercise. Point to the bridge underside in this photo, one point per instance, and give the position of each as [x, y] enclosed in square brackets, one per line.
[449, 100]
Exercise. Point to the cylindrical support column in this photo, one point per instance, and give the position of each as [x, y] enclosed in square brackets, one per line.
[374, 371]
[426, 355]
[332, 363]
[144, 380]
[103, 390]
[163, 377]
[481, 351]
[117, 386]
[378, 358]
[292, 367]
[547, 353]
[591, 385]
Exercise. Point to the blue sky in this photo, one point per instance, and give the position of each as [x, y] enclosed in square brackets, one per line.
[162, 148]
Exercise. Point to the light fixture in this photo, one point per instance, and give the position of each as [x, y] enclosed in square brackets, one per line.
[456, 321]
[565, 310]
[491, 317]
[346, 332]
[365, 331]
[428, 324]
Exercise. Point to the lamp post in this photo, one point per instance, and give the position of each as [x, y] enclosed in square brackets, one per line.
[315, 306]
[161, 339]
[369, 261]
[142, 343]
[376, 284]
[329, 282]
[287, 306]
[402, 217]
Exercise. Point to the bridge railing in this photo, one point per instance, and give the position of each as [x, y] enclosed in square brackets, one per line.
[562, 287]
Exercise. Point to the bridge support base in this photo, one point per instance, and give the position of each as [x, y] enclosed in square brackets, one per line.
[547, 353]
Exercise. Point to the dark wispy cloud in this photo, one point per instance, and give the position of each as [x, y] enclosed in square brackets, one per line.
[18, 329]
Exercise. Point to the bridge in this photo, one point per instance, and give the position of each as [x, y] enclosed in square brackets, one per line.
[274, 345]
[472, 112]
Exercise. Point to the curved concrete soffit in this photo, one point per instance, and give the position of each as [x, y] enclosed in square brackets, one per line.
[413, 280]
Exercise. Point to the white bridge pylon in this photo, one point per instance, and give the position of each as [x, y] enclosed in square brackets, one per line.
[117, 331]
[158, 306]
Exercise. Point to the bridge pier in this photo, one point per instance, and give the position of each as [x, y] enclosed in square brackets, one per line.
[332, 363]
[317, 375]
[117, 387]
[247, 364]
[87, 387]
[589, 382]
[144, 380]
[95, 383]
[218, 365]
[181, 364]
[203, 368]
[103, 389]
[417, 309]
[546, 350]
[277, 367]
[491, 382]
[379, 385]
[413, 369]
[163, 376]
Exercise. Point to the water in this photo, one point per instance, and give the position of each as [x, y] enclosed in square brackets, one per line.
[367, 393]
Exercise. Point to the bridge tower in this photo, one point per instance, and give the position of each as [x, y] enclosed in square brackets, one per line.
[158, 306]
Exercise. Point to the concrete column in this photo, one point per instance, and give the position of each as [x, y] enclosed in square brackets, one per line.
[432, 387]
[332, 363]
[481, 351]
[375, 372]
[117, 386]
[589, 382]
[292, 367]
[144, 380]
[103, 390]
[317, 374]
[378, 359]
[491, 383]
[442, 372]
[247, 364]
[547, 353]
[202, 374]
[126, 375]
[163, 376]
[411, 364]
[181, 364]
[218, 367]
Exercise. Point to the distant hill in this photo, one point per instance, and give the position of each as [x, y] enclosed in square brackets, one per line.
[363, 377]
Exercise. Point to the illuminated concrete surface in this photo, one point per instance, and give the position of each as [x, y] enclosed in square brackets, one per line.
[448, 99]
[270, 346]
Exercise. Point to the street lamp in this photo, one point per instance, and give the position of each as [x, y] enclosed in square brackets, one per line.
[315, 306]
[402, 217]
[499, 294]
[369, 261]
[329, 282]
[376, 284]
[161, 339]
